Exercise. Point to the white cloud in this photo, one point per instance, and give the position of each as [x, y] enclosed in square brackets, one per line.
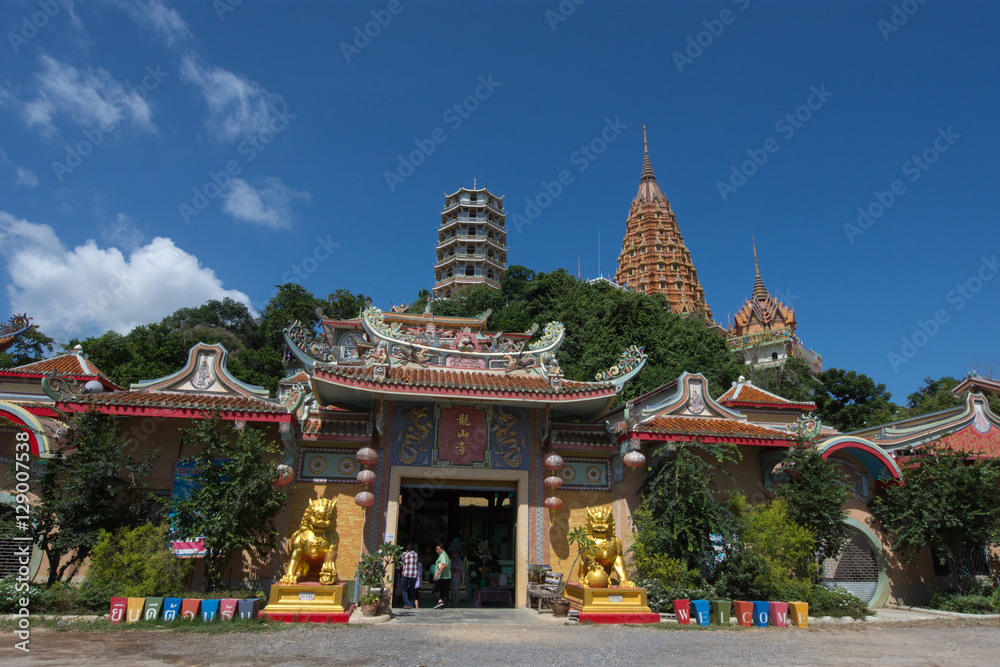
[89, 97]
[153, 15]
[89, 290]
[237, 106]
[23, 175]
[269, 206]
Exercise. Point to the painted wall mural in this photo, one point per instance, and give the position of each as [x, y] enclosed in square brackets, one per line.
[325, 466]
[462, 435]
[585, 475]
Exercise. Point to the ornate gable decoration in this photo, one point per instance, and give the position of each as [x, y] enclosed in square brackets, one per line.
[204, 373]
[688, 397]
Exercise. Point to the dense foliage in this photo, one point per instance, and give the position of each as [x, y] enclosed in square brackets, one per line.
[947, 502]
[680, 510]
[235, 501]
[815, 494]
[850, 401]
[97, 487]
[135, 562]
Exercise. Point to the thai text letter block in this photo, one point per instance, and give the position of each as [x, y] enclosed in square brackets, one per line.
[209, 610]
[172, 608]
[133, 612]
[190, 609]
[248, 608]
[118, 606]
[227, 609]
[152, 610]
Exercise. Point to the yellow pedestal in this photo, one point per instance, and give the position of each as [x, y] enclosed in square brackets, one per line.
[308, 603]
[610, 605]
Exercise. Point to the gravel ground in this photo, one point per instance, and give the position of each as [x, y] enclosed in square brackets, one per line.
[936, 642]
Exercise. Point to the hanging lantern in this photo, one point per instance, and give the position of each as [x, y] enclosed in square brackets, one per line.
[635, 459]
[553, 482]
[367, 456]
[366, 477]
[553, 503]
[553, 462]
[285, 475]
[365, 499]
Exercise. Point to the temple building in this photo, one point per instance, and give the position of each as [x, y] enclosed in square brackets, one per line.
[763, 329]
[654, 259]
[472, 241]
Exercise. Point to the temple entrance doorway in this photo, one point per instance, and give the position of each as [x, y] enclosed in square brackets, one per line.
[460, 516]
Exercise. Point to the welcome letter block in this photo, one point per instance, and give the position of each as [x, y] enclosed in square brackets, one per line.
[799, 612]
[152, 610]
[779, 614]
[683, 610]
[760, 614]
[744, 613]
[719, 610]
[118, 606]
[701, 613]
[171, 608]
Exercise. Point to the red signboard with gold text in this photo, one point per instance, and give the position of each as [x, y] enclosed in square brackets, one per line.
[462, 437]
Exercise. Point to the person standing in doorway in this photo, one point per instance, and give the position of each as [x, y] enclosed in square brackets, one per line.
[410, 574]
[456, 576]
[442, 577]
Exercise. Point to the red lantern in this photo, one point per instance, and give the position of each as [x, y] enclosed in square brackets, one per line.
[635, 459]
[367, 456]
[553, 482]
[285, 475]
[366, 477]
[553, 503]
[553, 462]
[364, 499]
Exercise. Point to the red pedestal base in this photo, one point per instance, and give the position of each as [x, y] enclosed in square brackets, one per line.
[310, 616]
[619, 618]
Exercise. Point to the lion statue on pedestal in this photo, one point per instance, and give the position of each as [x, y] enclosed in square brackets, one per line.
[314, 545]
[602, 563]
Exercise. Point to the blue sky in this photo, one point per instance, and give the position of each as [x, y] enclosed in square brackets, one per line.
[156, 155]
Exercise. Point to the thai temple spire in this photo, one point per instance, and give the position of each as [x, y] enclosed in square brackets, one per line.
[654, 259]
[759, 291]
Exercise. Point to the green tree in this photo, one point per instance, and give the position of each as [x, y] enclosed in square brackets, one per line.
[680, 507]
[90, 484]
[934, 396]
[815, 495]
[31, 346]
[850, 401]
[791, 379]
[292, 302]
[136, 562]
[946, 502]
[343, 305]
[235, 501]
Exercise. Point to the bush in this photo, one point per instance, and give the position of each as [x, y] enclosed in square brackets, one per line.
[964, 604]
[836, 602]
[10, 595]
[660, 598]
[135, 562]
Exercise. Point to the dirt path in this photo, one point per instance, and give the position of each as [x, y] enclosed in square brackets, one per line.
[942, 642]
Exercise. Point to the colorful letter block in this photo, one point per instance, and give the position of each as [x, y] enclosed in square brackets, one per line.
[227, 608]
[719, 610]
[701, 613]
[779, 614]
[248, 608]
[171, 608]
[209, 610]
[799, 612]
[744, 613]
[133, 611]
[760, 614]
[683, 610]
[118, 606]
[190, 609]
[152, 610]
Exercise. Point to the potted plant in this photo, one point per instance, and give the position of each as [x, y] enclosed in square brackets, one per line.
[485, 560]
[374, 570]
[369, 603]
[580, 538]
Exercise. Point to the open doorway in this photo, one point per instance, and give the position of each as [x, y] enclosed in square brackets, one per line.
[459, 517]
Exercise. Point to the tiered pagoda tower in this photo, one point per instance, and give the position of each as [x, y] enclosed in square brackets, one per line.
[654, 259]
[472, 241]
[763, 330]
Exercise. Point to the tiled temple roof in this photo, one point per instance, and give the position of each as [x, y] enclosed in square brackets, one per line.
[709, 427]
[746, 394]
[181, 401]
[325, 428]
[498, 382]
[72, 364]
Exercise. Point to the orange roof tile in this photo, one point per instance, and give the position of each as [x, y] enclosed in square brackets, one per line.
[336, 427]
[75, 365]
[301, 376]
[709, 427]
[745, 393]
[181, 401]
[486, 381]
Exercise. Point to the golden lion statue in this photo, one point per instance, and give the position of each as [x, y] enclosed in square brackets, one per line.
[602, 563]
[314, 545]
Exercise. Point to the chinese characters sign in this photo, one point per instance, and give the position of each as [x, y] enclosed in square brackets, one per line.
[463, 436]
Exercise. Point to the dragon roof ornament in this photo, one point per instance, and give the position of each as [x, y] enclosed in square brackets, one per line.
[10, 330]
[307, 347]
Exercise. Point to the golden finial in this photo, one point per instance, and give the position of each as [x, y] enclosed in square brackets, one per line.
[645, 147]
